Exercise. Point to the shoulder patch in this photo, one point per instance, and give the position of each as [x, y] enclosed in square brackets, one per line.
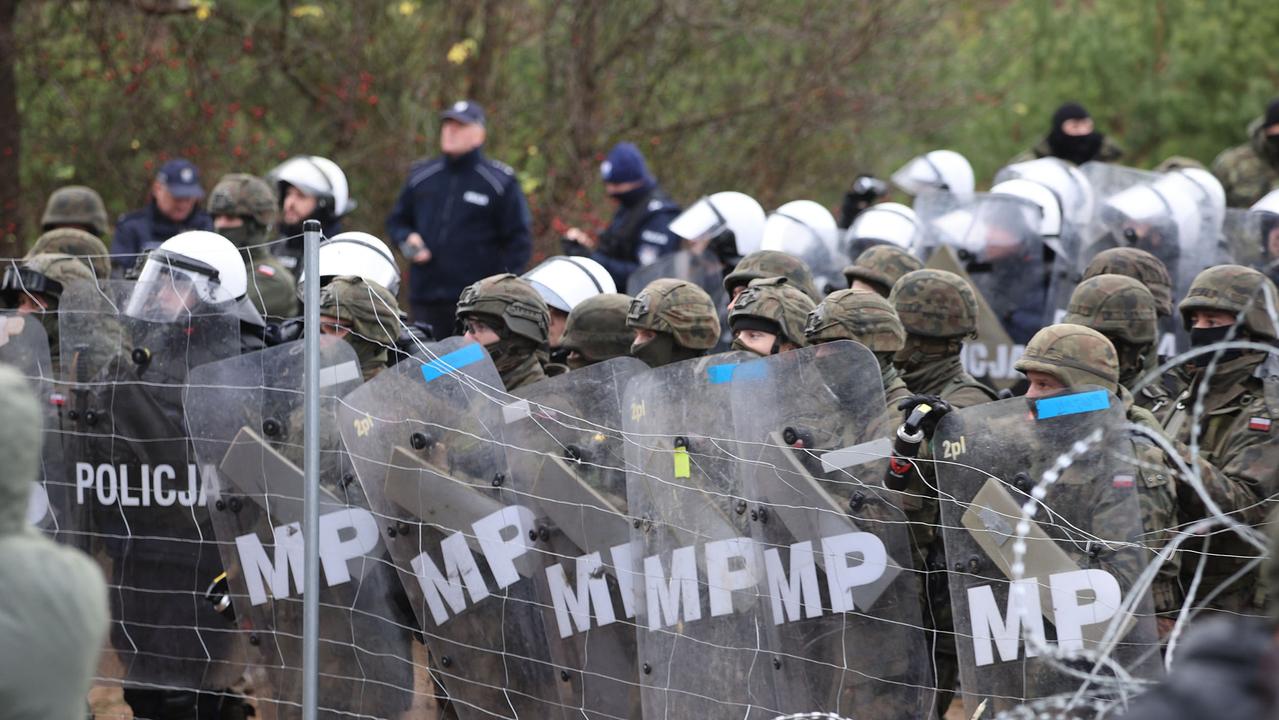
[1259, 424]
[266, 271]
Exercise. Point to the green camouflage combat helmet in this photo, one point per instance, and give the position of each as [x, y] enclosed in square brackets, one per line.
[678, 308]
[1237, 290]
[1074, 354]
[861, 316]
[772, 263]
[935, 304]
[881, 266]
[246, 196]
[78, 206]
[772, 305]
[1139, 265]
[510, 305]
[371, 313]
[1116, 306]
[596, 329]
[75, 242]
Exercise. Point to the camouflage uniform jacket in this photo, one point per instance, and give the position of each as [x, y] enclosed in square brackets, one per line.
[272, 288]
[1157, 495]
[895, 390]
[1110, 151]
[526, 373]
[1247, 172]
[1238, 457]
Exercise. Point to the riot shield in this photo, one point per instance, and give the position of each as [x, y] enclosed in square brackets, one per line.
[245, 415]
[25, 345]
[695, 569]
[702, 269]
[568, 464]
[1108, 179]
[844, 632]
[1246, 239]
[139, 491]
[1066, 577]
[426, 441]
[929, 207]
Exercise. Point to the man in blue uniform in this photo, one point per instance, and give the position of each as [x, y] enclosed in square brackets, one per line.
[461, 217]
[174, 208]
[638, 233]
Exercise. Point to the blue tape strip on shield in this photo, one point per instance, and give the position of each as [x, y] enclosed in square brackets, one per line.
[728, 372]
[1086, 402]
[455, 360]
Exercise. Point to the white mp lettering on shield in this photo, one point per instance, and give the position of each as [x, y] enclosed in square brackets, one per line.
[731, 565]
[843, 577]
[788, 593]
[574, 608]
[669, 597]
[268, 577]
[461, 575]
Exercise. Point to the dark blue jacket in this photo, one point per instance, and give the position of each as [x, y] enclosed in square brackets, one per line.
[638, 233]
[144, 229]
[471, 213]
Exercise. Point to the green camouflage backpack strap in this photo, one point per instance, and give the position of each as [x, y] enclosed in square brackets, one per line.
[777, 303]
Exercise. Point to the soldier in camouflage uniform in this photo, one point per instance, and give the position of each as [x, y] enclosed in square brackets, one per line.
[673, 320]
[1238, 446]
[938, 310]
[78, 207]
[243, 208]
[596, 330]
[766, 264]
[1123, 310]
[868, 319]
[37, 286]
[75, 242]
[769, 317]
[1249, 171]
[1071, 355]
[365, 315]
[507, 316]
[879, 268]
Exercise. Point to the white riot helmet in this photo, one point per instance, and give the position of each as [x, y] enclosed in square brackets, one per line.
[1211, 198]
[190, 269]
[944, 170]
[807, 230]
[712, 217]
[883, 224]
[565, 281]
[359, 254]
[1267, 204]
[319, 177]
[1049, 204]
[1074, 192]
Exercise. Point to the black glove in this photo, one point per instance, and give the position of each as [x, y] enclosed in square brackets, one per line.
[573, 248]
[922, 413]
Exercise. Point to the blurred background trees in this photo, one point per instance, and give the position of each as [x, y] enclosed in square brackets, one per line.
[779, 100]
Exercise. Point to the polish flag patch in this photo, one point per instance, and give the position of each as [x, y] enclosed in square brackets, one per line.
[1124, 481]
[266, 270]
[1259, 424]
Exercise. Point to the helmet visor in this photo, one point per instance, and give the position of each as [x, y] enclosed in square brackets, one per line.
[171, 287]
[702, 221]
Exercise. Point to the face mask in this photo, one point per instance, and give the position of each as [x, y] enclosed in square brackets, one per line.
[1077, 149]
[656, 352]
[1204, 337]
[241, 237]
[1271, 148]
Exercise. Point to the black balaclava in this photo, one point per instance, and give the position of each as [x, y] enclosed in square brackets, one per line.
[1271, 142]
[1077, 149]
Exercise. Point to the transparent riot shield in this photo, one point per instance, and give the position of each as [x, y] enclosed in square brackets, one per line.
[136, 485]
[426, 440]
[246, 416]
[1108, 179]
[25, 345]
[842, 625]
[1246, 239]
[1065, 578]
[699, 614]
[930, 206]
[568, 465]
[702, 269]
[998, 239]
[1078, 203]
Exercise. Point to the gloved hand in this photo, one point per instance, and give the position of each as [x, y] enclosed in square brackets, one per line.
[573, 248]
[865, 191]
[922, 413]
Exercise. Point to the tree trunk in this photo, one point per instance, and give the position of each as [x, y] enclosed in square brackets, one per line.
[11, 207]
